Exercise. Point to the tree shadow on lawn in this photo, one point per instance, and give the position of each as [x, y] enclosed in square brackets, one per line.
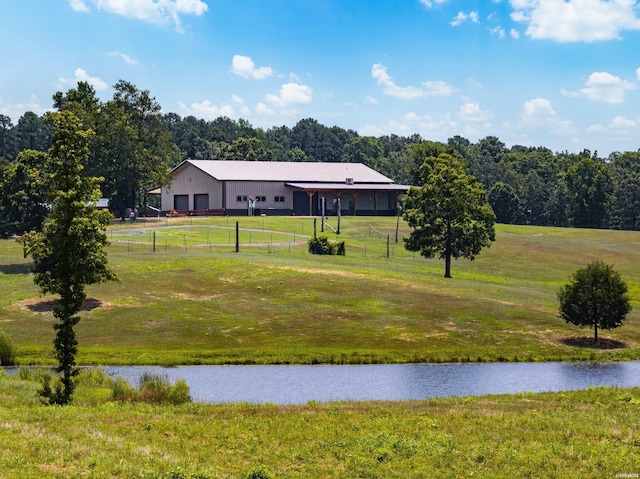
[587, 342]
[20, 268]
[47, 306]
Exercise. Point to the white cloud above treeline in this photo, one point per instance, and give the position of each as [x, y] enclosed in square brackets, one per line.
[292, 94]
[245, 67]
[576, 20]
[604, 87]
[427, 89]
[152, 11]
[81, 75]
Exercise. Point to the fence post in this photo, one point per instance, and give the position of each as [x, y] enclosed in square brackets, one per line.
[237, 237]
[154, 241]
[387, 246]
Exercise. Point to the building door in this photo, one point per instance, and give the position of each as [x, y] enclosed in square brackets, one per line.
[181, 202]
[201, 202]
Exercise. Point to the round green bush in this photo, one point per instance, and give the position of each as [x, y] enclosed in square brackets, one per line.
[7, 350]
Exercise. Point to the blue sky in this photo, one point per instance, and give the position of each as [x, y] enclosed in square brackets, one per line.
[558, 73]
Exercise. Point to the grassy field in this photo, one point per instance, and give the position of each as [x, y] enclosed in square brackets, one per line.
[194, 300]
[585, 434]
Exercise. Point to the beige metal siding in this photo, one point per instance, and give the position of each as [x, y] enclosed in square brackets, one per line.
[268, 190]
[192, 181]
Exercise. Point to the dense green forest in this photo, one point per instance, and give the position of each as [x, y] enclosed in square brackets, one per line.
[135, 146]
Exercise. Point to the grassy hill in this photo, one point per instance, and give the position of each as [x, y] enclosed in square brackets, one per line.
[194, 300]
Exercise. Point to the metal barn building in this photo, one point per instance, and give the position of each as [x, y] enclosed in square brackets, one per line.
[278, 188]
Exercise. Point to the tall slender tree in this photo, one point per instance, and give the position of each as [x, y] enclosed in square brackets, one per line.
[68, 253]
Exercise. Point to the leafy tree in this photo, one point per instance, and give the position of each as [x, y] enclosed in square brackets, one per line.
[589, 189]
[595, 296]
[555, 209]
[625, 170]
[363, 149]
[132, 146]
[418, 152]
[81, 101]
[449, 215]
[69, 251]
[32, 133]
[504, 202]
[249, 149]
[7, 138]
[23, 188]
[320, 143]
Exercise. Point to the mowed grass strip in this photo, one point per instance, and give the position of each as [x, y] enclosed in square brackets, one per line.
[592, 433]
[199, 302]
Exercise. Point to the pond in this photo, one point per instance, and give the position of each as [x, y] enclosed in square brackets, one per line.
[394, 382]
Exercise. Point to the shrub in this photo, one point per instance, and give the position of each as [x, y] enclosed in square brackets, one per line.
[259, 473]
[322, 245]
[121, 390]
[152, 388]
[7, 350]
[94, 377]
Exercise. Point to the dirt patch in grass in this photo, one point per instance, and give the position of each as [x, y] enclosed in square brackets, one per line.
[46, 305]
[195, 297]
[588, 342]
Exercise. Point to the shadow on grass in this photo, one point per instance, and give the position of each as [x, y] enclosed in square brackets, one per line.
[21, 268]
[587, 342]
[47, 306]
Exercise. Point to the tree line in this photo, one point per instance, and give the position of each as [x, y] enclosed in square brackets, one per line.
[135, 146]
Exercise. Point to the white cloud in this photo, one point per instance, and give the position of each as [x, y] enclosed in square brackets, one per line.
[432, 3]
[570, 94]
[292, 94]
[621, 123]
[206, 110]
[124, 56]
[237, 99]
[424, 125]
[244, 67]
[262, 109]
[472, 112]
[152, 11]
[638, 73]
[498, 31]
[602, 86]
[462, 17]
[599, 128]
[82, 75]
[428, 88]
[539, 113]
[15, 111]
[576, 20]
[79, 6]
[371, 100]
[515, 34]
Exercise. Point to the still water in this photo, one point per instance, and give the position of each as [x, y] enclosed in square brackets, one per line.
[300, 384]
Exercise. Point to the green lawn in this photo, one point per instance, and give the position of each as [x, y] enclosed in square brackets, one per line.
[196, 301]
[585, 434]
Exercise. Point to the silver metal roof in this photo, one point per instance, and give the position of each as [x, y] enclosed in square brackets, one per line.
[344, 187]
[288, 171]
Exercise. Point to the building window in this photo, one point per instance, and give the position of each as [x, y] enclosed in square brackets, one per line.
[241, 199]
[261, 198]
[279, 199]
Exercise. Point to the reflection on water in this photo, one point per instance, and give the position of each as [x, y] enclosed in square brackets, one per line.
[300, 384]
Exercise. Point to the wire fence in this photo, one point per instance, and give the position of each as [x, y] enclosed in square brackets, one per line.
[167, 237]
